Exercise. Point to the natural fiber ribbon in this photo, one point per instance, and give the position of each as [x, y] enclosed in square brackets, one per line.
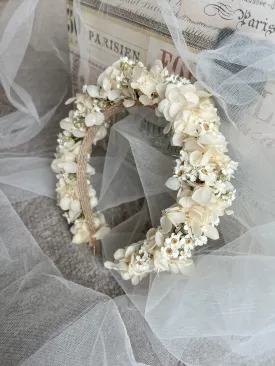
[82, 185]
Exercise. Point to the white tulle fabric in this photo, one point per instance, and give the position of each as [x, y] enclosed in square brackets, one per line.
[223, 314]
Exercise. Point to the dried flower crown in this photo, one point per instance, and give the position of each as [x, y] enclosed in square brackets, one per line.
[202, 172]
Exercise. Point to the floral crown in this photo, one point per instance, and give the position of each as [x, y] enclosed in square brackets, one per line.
[202, 172]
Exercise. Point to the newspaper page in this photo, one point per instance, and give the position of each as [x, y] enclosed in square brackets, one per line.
[134, 28]
[109, 38]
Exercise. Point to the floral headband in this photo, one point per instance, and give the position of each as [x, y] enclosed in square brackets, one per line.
[202, 172]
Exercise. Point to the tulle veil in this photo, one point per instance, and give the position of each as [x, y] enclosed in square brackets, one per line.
[223, 314]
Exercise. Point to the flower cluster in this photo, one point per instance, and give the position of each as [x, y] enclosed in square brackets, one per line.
[126, 81]
[65, 165]
[158, 252]
[201, 176]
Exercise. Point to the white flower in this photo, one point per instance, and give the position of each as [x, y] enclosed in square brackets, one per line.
[113, 95]
[160, 261]
[159, 238]
[101, 133]
[153, 237]
[195, 166]
[220, 188]
[68, 199]
[202, 195]
[186, 202]
[68, 145]
[101, 233]
[70, 100]
[128, 103]
[173, 183]
[158, 74]
[91, 191]
[202, 240]
[149, 83]
[192, 176]
[196, 158]
[93, 91]
[179, 169]
[145, 100]
[188, 241]
[198, 217]
[99, 220]
[68, 125]
[174, 240]
[191, 144]
[107, 80]
[74, 210]
[66, 186]
[140, 262]
[210, 231]
[65, 162]
[83, 104]
[110, 265]
[131, 249]
[143, 81]
[212, 138]
[124, 59]
[119, 254]
[230, 167]
[177, 98]
[81, 232]
[207, 175]
[191, 120]
[93, 201]
[65, 203]
[169, 252]
[139, 266]
[115, 80]
[94, 118]
[173, 216]
[178, 139]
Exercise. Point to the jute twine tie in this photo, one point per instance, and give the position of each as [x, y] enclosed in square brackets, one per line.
[81, 176]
